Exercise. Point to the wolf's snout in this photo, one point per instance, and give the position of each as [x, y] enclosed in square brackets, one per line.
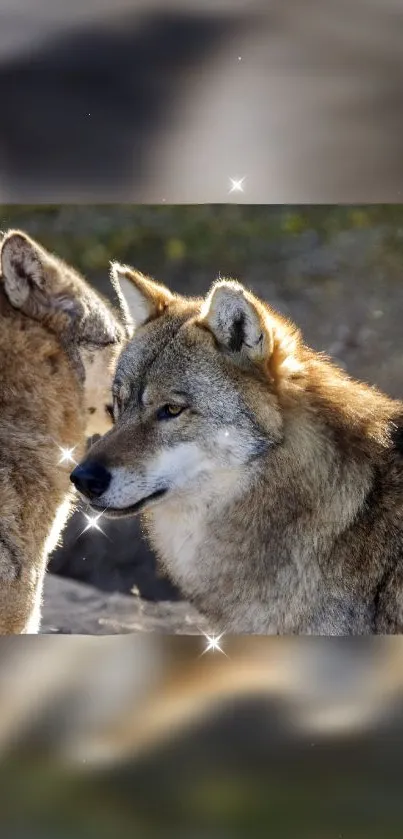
[91, 479]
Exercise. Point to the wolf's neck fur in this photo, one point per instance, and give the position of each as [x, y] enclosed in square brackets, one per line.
[52, 417]
[267, 548]
[41, 410]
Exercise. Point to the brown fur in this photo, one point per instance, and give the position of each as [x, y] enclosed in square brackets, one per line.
[43, 388]
[283, 477]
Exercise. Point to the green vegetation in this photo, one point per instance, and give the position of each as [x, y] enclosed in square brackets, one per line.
[305, 797]
[191, 237]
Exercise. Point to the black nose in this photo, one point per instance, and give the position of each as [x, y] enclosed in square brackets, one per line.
[91, 479]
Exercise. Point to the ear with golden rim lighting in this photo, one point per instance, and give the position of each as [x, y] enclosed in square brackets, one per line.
[140, 298]
[237, 320]
[245, 327]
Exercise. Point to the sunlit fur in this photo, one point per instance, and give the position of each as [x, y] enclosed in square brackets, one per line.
[58, 347]
[282, 509]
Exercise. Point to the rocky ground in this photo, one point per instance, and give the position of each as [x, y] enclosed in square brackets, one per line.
[74, 608]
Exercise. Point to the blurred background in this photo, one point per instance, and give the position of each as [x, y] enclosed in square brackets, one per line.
[166, 100]
[335, 270]
[145, 736]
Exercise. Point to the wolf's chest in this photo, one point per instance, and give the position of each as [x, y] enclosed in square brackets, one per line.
[178, 535]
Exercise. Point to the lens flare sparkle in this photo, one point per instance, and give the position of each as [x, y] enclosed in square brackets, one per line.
[67, 455]
[213, 643]
[237, 184]
[92, 523]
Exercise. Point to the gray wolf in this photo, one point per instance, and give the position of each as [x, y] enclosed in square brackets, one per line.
[270, 483]
[58, 345]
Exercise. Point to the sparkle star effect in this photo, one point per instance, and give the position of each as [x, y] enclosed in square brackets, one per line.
[237, 184]
[67, 455]
[92, 523]
[213, 643]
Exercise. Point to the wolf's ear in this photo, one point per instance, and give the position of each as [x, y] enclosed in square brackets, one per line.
[140, 298]
[32, 279]
[238, 321]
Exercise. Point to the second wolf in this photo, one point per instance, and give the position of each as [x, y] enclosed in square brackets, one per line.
[271, 484]
[58, 345]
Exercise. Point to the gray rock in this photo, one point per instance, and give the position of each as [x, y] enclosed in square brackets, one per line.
[76, 608]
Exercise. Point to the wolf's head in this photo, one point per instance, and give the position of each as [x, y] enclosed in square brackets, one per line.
[195, 395]
[45, 289]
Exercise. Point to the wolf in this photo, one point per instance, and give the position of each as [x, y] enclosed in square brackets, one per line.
[270, 482]
[59, 342]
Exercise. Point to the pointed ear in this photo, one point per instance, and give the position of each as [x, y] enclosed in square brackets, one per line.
[140, 298]
[32, 279]
[21, 268]
[239, 321]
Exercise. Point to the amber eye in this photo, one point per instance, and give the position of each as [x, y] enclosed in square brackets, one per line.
[169, 411]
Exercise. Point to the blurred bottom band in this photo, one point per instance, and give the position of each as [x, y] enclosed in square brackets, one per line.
[173, 736]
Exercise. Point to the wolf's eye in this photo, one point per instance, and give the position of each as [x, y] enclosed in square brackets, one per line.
[169, 411]
[109, 411]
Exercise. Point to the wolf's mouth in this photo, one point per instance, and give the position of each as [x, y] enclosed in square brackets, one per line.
[116, 513]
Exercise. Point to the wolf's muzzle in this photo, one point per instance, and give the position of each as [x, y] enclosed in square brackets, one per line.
[91, 479]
